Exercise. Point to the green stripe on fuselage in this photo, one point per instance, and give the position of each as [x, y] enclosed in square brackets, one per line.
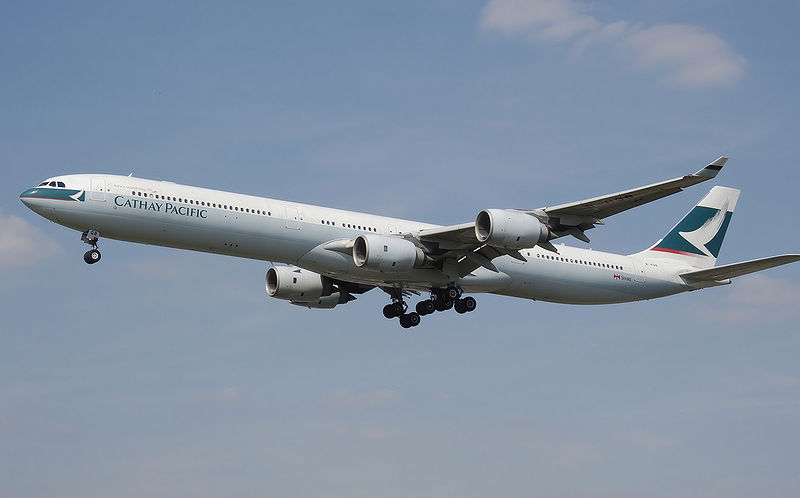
[57, 194]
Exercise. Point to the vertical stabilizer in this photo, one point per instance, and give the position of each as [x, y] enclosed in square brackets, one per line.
[697, 238]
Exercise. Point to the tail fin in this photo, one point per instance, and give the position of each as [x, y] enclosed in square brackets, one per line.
[697, 238]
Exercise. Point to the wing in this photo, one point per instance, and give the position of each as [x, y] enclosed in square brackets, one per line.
[574, 219]
[608, 205]
[725, 272]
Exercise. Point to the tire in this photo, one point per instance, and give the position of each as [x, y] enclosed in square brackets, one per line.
[451, 293]
[404, 322]
[459, 306]
[413, 319]
[469, 304]
[425, 307]
[92, 256]
[388, 311]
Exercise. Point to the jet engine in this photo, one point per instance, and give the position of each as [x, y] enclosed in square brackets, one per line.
[297, 285]
[510, 229]
[388, 254]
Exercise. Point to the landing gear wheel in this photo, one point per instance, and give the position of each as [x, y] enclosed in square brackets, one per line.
[409, 320]
[92, 256]
[395, 309]
[466, 305]
[444, 304]
[452, 293]
[388, 311]
[469, 303]
[425, 307]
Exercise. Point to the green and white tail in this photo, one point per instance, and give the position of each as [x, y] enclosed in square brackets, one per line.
[697, 238]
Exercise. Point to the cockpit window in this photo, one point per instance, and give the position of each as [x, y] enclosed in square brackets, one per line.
[50, 183]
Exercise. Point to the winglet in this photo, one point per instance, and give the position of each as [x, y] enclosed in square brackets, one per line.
[712, 169]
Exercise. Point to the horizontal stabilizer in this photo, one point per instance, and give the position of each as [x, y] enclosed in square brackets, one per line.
[718, 273]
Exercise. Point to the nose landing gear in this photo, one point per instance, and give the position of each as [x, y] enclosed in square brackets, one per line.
[91, 237]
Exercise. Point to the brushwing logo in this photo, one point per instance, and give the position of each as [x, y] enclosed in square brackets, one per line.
[706, 233]
[78, 196]
[699, 233]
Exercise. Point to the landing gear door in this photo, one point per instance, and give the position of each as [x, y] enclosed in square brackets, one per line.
[98, 189]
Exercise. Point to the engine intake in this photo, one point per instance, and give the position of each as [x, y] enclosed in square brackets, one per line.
[510, 229]
[296, 284]
[387, 254]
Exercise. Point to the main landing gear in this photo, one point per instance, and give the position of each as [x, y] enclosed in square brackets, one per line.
[91, 237]
[440, 300]
[398, 308]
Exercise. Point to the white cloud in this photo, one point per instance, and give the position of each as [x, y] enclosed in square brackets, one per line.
[688, 56]
[755, 299]
[548, 19]
[22, 244]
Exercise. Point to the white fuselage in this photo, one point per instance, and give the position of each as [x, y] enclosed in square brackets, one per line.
[185, 217]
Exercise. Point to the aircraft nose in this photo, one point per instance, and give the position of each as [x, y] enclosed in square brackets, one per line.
[28, 196]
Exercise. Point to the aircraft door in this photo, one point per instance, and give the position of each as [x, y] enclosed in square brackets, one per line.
[638, 272]
[97, 192]
[292, 217]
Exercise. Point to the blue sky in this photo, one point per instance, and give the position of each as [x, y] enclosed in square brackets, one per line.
[166, 373]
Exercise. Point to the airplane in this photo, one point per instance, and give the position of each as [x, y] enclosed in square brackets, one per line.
[323, 257]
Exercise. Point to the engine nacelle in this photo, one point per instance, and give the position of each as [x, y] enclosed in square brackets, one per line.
[296, 284]
[326, 302]
[388, 254]
[509, 229]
